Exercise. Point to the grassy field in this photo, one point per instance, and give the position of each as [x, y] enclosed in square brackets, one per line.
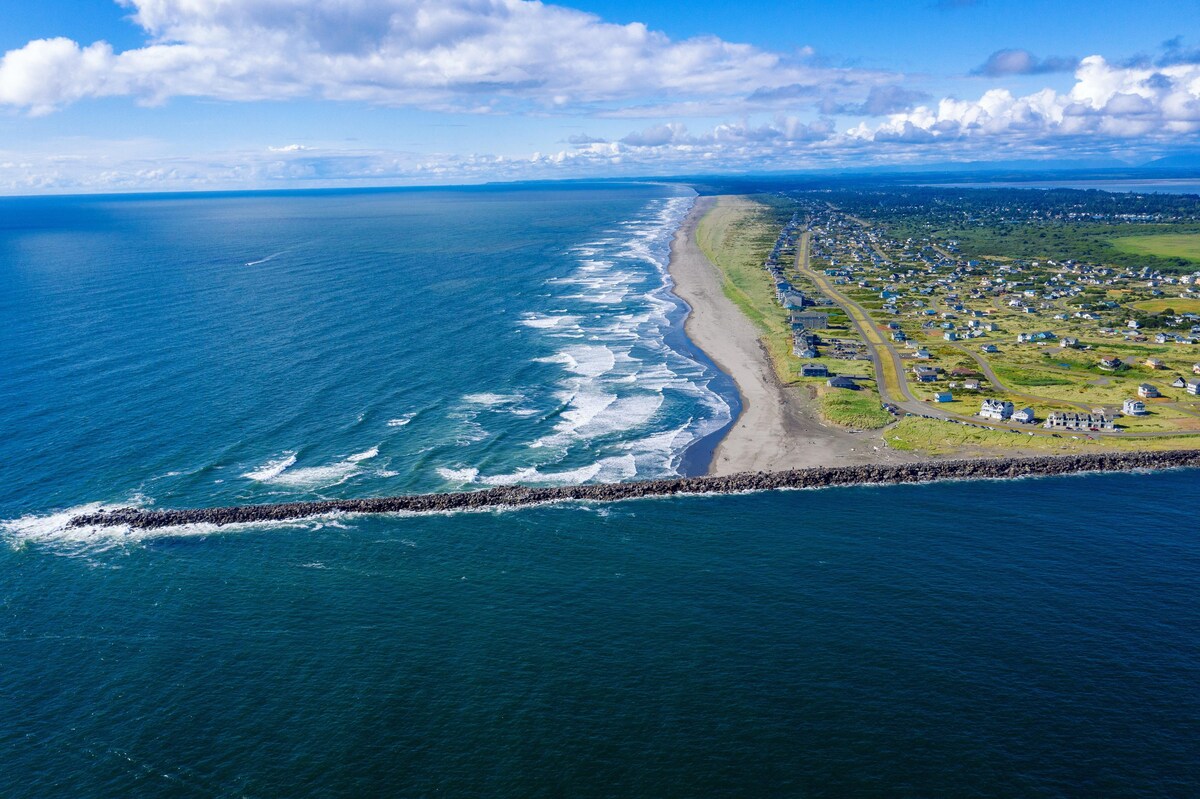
[1168, 245]
[934, 437]
[856, 409]
[1177, 304]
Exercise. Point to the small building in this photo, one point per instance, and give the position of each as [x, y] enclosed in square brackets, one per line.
[1147, 391]
[1179, 382]
[1155, 363]
[1196, 368]
[943, 396]
[810, 320]
[1193, 387]
[925, 374]
[989, 348]
[1000, 410]
[1062, 420]
[1111, 363]
[971, 385]
[1068, 343]
[1024, 416]
[814, 370]
[922, 353]
[950, 335]
[1134, 407]
[842, 382]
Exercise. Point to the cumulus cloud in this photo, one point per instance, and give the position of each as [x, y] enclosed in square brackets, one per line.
[1106, 101]
[1023, 62]
[463, 55]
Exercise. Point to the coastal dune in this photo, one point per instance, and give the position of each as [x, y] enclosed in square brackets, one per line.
[778, 427]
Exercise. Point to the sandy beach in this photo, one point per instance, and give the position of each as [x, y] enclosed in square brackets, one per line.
[778, 427]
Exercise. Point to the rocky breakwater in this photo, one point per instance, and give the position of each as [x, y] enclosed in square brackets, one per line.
[518, 496]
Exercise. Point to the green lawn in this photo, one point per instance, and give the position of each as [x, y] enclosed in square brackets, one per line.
[1167, 245]
[1177, 304]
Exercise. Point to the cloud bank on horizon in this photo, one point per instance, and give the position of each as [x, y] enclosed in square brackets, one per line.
[475, 58]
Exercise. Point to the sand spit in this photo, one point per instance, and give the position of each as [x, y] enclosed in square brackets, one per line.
[518, 496]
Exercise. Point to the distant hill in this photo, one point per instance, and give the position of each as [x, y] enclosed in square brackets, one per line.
[1177, 161]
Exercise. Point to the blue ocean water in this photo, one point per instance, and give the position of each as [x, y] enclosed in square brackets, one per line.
[1022, 638]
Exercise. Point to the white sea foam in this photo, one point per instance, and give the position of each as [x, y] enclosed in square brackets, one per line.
[401, 421]
[492, 399]
[362, 456]
[272, 469]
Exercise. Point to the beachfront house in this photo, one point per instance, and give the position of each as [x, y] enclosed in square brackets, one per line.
[1147, 391]
[1024, 416]
[814, 370]
[810, 320]
[1134, 407]
[1000, 410]
[842, 382]
[1062, 420]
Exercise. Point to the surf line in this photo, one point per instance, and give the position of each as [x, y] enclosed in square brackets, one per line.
[518, 496]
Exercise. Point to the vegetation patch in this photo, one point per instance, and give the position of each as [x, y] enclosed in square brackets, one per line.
[857, 409]
[1164, 305]
[1170, 245]
[1029, 377]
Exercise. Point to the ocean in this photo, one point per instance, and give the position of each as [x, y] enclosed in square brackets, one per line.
[1022, 638]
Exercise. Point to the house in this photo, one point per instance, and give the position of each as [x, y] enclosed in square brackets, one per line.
[996, 409]
[1133, 324]
[1196, 368]
[925, 374]
[1147, 391]
[1111, 363]
[810, 320]
[842, 382]
[1068, 343]
[950, 335]
[1179, 382]
[943, 396]
[1163, 338]
[971, 385]
[1024, 416]
[814, 370]
[1133, 407]
[922, 353]
[989, 348]
[1060, 420]
[1193, 387]
[1155, 363]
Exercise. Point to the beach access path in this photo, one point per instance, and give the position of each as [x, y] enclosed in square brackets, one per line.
[779, 427]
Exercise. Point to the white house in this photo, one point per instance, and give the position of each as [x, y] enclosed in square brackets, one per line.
[1133, 407]
[996, 409]
[1024, 416]
[1147, 391]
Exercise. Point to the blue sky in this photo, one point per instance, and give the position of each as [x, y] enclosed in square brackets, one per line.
[182, 94]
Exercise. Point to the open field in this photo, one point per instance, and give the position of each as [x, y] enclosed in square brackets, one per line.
[1176, 304]
[1169, 245]
[934, 437]
[855, 409]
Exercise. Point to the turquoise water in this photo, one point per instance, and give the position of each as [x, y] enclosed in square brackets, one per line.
[1024, 638]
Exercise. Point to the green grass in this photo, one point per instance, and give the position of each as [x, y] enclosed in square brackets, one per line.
[1177, 304]
[1025, 377]
[934, 437]
[1167, 245]
[857, 409]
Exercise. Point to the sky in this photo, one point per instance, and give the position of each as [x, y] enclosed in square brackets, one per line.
[145, 95]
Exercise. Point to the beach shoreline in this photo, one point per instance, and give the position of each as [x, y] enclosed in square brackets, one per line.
[778, 427]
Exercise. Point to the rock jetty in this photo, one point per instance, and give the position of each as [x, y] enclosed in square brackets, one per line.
[518, 496]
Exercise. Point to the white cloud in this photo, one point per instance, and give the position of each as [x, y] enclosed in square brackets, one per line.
[467, 55]
[1106, 101]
